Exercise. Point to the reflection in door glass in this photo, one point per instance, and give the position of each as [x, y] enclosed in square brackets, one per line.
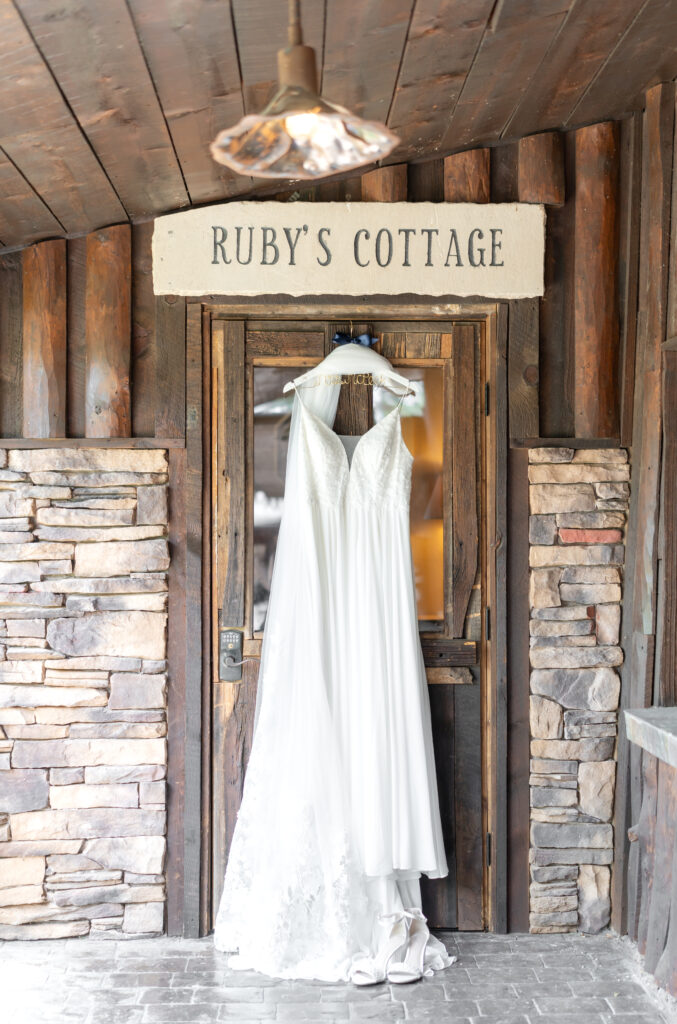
[423, 433]
[272, 414]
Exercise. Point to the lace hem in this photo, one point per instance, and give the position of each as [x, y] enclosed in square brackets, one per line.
[436, 958]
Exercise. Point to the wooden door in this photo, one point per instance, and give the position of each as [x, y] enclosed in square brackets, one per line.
[442, 426]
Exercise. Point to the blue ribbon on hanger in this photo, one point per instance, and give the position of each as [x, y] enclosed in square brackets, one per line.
[343, 338]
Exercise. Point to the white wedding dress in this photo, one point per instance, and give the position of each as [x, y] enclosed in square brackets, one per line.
[340, 812]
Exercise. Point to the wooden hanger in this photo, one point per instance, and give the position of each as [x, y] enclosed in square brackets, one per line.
[354, 359]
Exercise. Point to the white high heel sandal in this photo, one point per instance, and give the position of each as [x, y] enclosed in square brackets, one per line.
[372, 970]
[411, 967]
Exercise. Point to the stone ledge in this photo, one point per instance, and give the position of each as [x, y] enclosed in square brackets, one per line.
[654, 730]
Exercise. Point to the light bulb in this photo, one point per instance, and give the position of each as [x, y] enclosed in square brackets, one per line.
[301, 126]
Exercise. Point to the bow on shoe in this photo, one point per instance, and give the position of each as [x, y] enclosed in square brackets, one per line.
[413, 913]
[343, 338]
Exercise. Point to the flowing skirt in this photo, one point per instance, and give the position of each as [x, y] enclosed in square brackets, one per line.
[340, 813]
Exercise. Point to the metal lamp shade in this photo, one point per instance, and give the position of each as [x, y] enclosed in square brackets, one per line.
[299, 135]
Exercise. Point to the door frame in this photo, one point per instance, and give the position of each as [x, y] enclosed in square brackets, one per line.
[191, 822]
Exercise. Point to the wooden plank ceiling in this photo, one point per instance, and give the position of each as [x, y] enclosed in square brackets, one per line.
[107, 107]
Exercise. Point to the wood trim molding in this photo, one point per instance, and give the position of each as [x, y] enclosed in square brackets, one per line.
[496, 459]
[92, 442]
[567, 442]
[386, 307]
[193, 645]
[176, 691]
[518, 690]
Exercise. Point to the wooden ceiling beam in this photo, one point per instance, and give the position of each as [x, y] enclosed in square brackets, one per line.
[512, 48]
[119, 99]
[95, 56]
[193, 60]
[439, 52]
[42, 138]
[363, 50]
[589, 33]
[644, 56]
[261, 30]
[23, 215]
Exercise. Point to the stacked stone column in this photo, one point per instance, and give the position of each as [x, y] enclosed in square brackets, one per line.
[578, 504]
[83, 597]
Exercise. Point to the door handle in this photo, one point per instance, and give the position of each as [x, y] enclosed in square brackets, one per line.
[231, 640]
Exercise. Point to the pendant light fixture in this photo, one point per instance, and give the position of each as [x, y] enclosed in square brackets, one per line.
[300, 135]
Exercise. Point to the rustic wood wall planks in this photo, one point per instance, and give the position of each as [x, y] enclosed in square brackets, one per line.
[652, 923]
[86, 349]
[649, 222]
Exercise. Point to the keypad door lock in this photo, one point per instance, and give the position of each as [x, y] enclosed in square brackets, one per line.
[231, 654]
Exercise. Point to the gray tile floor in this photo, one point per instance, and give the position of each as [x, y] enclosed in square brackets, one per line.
[518, 979]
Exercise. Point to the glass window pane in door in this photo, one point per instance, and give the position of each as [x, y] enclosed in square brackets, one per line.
[423, 433]
[272, 416]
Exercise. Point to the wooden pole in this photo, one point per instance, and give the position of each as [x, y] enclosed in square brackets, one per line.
[467, 177]
[108, 332]
[540, 169]
[596, 330]
[44, 340]
[385, 184]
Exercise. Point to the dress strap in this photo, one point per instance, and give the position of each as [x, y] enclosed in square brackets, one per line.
[297, 391]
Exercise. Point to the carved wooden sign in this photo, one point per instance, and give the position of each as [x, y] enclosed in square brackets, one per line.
[493, 250]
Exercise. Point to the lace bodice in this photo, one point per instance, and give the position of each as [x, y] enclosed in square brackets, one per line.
[378, 476]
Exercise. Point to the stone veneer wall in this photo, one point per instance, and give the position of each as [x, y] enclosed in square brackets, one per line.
[83, 562]
[578, 503]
